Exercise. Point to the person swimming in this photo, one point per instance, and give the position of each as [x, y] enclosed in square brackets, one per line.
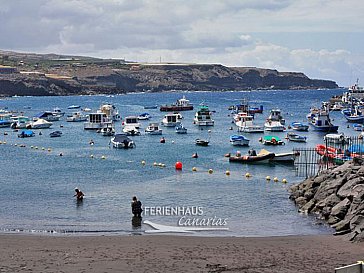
[79, 194]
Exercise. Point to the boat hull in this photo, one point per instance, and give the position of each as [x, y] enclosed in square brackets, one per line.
[173, 108]
[252, 159]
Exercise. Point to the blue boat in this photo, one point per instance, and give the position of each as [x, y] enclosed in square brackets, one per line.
[358, 127]
[239, 140]
[5, 123]
[353, 115]
[321, 121]
[55, 134]
[26, 133]
[297, 138]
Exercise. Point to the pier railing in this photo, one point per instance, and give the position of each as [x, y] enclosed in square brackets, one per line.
[312, 161]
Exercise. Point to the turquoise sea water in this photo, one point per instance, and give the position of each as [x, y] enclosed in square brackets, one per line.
[37, 186]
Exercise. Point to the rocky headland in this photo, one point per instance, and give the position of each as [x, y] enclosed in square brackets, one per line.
[335, 195]
[50, 74]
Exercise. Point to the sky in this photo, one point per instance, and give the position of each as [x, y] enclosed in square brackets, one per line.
[322, 38]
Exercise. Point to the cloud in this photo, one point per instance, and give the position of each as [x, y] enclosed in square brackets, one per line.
[223, 31]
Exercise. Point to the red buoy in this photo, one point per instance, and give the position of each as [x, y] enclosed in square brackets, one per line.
[178, 165]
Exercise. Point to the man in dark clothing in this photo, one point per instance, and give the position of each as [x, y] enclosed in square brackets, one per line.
[136, 207]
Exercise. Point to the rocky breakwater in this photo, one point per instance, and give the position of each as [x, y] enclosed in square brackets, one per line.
[335, 195]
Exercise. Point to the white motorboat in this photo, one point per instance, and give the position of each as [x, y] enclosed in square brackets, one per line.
[40, 124]
[299, 126]
[19, 122]
[58, 111]
[121, 141]
[275, 121]
[180, 129]
[239, 140]
[76, 117]
[131, 130]
[153, 129]
[144, 116]
[336, 139]
[296, 138]
[108, 129]
[245, 124]
[170, 120]
[203, 117]
[47, 115]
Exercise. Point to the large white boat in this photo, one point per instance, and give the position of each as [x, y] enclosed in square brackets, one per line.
[131, 121]
[245, 124]
[95, 121]
[203, 117]
[76, 117]
[275, 121]
[321, 121]
[170, 120]
[354, 92]
[180, 105]
[110, 111]
[153, 129]
[131, 130]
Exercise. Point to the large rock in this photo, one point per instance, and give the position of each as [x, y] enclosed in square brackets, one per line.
[340, 209]
[307, 207]
[329, 187]
[346, 189]
[357, 223]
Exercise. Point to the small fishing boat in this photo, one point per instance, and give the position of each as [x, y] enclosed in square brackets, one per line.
[353, 114]
[108, 129]
[73, 107]
[150, 106]
[121, 141]
[58, 111]
[251, 157]
[55, 134]
[358, 127]
[296, 138]
[336, 139]
[181, 105]
[239, 140]
[202, 142]
[180, 129]
[144, 116]
[271, 140]
[275, 121]
[299, 126]
[153, 129]
[26, 133]
[321, 120]
[76, 117]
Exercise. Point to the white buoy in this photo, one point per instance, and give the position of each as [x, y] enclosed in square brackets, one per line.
[275, 179]
[227, 172]
[284, 180]
[194, 169]
[267, 178]
[210, 171]
[248, 175]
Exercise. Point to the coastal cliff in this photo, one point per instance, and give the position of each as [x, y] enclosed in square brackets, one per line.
[39, 75]
[336, 196]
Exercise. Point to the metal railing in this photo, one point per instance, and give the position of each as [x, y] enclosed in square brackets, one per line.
[332, 152]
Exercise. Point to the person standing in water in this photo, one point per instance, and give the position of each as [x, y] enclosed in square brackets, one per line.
[79, 194]
[136, 207]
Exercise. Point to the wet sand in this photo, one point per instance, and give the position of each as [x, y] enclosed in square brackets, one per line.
[156, 253]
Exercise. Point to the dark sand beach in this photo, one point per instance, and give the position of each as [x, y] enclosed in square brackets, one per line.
[33, 253]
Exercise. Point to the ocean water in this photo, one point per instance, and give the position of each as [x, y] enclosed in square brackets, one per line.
[37, 186]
